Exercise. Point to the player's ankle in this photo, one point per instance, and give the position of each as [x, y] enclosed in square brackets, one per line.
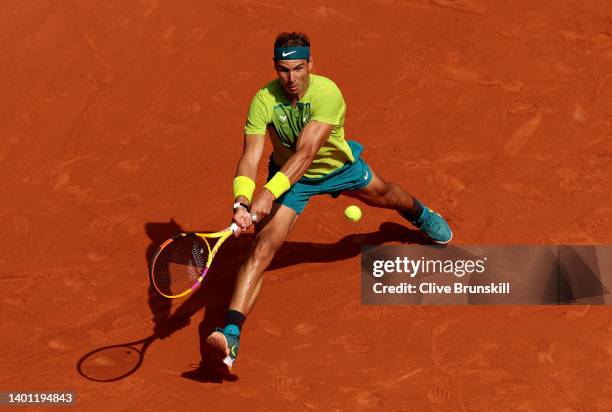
[412, 215]
[233, 322]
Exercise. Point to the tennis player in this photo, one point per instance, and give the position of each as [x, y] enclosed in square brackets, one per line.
[303, 114]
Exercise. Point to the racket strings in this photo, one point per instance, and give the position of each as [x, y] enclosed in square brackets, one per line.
[180, 264]
[198, 255]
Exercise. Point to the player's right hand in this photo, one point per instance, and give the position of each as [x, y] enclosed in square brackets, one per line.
[243, 219]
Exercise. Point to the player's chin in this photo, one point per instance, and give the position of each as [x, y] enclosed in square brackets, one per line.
[291, 90]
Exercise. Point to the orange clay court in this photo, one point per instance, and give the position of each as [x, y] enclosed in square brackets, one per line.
[121, 124]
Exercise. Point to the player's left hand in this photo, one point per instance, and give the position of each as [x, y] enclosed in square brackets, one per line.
[262, 205]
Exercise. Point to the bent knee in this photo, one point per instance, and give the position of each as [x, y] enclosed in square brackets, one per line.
[265, 248]
[377, 190]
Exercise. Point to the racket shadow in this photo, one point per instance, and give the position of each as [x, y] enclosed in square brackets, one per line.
[114, 362]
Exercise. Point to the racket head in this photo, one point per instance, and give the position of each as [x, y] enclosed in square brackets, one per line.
[112, 363]
[180, 263]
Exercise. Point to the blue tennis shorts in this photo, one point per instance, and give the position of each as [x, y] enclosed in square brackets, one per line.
[351, 176]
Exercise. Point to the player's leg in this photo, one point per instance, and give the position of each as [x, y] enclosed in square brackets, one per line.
[379, 193]
[222, 345]
[271, 234]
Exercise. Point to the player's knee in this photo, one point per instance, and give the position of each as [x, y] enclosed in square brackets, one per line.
[384, 189]
[265, 248]
[379, 191]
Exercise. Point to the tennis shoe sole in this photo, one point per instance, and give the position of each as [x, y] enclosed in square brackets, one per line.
[218, 352]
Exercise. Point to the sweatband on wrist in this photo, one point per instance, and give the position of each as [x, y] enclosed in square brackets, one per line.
[278, 185]
[244, 186]
[292, 53]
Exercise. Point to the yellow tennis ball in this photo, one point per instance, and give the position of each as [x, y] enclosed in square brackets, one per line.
[352, 213]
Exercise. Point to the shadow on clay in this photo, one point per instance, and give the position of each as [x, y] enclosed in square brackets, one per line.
[214, 296]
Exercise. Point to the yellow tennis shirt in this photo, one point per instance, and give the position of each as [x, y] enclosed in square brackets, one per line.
[270, 110]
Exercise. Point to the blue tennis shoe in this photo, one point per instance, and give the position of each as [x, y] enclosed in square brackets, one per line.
[434, 226]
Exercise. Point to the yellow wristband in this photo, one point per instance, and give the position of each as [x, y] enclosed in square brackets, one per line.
[244, 186]
[278, 185]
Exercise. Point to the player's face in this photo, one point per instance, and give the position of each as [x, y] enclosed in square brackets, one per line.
[293, 75]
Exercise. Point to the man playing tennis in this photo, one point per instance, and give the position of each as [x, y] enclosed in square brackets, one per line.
[304, 115]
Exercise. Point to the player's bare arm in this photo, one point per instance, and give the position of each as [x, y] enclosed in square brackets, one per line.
[247, 166]
[310, 141]
[313, 136]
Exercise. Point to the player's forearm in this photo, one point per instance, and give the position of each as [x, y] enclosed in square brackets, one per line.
[298, 164]
[247, 166]
[312, 138]
[246, 170]
[251, 154]
[289, 174]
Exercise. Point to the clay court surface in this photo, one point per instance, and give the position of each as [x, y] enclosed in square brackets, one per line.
[121, 123]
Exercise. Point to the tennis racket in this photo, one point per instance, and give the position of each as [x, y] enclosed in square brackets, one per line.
[181, 262]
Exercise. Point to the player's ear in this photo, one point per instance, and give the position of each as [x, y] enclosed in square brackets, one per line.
[310, 63]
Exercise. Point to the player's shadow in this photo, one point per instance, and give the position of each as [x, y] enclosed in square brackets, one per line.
[215, 293]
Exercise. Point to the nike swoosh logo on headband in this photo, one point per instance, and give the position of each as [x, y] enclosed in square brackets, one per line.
[285, 54]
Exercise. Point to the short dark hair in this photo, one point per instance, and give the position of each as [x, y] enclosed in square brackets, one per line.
[285, 39]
